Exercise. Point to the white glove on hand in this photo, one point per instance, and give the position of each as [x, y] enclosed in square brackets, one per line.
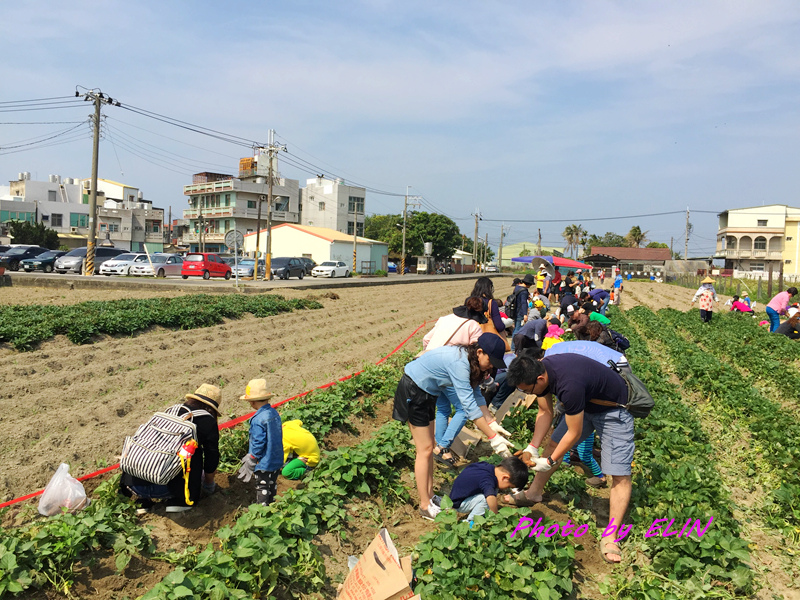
[534, 452]
[497, 428]
[500, 445]
[541, 464]
[248, 468]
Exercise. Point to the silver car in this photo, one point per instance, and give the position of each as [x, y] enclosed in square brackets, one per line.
[247, 267]
[163, 265]
[121, 265]
[72, 261]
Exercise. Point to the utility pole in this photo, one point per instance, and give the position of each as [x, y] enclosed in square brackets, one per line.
[405, 217]
[686, 243]
[485, 251]
[500, 251]
[355, 234]
[539, 244]
[169, 226]
[670, 247]
[477, 216]
[273, 149]
[258, 236]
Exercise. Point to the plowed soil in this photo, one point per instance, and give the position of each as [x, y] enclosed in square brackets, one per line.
[75, 404]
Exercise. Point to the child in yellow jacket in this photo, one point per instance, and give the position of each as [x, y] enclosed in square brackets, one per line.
[300, 442]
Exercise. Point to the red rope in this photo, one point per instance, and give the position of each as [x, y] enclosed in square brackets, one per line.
[232, 422]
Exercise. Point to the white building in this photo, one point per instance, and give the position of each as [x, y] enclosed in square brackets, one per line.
[321, 244]
[124, 217]
[333, 204]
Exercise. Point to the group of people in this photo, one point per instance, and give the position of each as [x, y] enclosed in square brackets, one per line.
[780, 305]
[466, 364]
[275, 449]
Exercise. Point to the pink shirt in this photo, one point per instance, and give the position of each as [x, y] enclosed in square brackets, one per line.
[780, 303]
[741, 306]
[467, 334]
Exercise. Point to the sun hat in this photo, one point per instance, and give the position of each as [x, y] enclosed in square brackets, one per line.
[256, 390]
[494, 347]
[208, 394]
[708, 280]
[528, 279]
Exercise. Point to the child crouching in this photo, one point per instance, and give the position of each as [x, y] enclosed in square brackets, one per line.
[265, 456]
[298, 441]
[475, 488]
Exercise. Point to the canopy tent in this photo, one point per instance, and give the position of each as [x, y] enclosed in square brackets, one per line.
[556, 261]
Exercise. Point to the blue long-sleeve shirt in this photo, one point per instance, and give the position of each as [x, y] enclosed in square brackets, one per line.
[266, 439]
[443, 367]
[599, 294]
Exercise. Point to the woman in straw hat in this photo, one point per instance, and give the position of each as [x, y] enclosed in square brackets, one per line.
[204, 402]
[706, 294]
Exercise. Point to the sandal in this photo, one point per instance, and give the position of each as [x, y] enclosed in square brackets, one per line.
[521, 500]
[604, 550]
[448, 462]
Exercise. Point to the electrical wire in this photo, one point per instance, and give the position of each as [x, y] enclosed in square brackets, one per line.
[10, 110]
[41, 138]
[40, 122]
[82, 136]
[36, 100]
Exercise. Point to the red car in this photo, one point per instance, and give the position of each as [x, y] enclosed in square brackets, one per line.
[206, 265]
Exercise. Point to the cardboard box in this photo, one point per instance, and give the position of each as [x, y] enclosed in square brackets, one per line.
[379, 574]
[464, 441]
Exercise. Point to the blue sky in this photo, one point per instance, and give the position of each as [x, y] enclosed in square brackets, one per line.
[523, 110]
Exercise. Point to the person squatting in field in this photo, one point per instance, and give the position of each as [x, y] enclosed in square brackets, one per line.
[593, 396]
[779, 305]
[462, 328]
[265, 454]
[428, 376]
[300, 443]
[203, 465]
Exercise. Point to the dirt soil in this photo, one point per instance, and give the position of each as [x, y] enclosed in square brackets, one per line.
[75, 404]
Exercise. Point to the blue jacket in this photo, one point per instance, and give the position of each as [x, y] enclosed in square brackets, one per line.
[266, 439]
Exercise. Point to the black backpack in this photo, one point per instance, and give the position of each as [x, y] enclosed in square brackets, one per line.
[510, 307]
[620, 340]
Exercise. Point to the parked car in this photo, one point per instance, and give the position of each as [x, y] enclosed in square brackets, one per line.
[163, 265]
[393, 268]
[121, 265]
[229, 260]
[309, 264]
[43, 262]
[205, 265]
[247, 267]
[72, 261]
[15, 254]
[492, 269]
[284, 267]
[4, 248]
[331, 268]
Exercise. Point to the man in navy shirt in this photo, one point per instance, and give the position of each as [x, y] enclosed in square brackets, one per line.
[475, 488]
[594, 397]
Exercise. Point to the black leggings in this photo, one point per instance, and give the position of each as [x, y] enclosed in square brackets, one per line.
[705, 315]
[266, 486]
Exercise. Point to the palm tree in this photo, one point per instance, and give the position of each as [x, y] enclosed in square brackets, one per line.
[573, 234]
[636, 237]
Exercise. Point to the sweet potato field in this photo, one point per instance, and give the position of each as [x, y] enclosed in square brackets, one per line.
[722, 444]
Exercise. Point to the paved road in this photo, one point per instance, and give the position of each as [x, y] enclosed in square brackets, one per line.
[36, 279]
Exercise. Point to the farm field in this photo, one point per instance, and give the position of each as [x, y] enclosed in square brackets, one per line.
[723, 442]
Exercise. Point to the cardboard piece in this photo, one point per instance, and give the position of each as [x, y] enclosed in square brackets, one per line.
[514, 398]
[466, 439]
[379, 574]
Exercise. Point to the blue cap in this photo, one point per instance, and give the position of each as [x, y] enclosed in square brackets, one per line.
[493, 345]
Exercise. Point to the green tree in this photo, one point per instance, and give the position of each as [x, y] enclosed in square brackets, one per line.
[525, 252]
[609, 240]
[573, 234]
[385, 228]
[636, 237]
[656, 245]
[441, 231]
[35, 234]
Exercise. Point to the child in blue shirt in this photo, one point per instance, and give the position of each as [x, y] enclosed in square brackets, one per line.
[475, 488]
[265, 456]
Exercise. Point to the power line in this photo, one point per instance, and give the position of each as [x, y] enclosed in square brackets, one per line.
[39, 139]
[37, 100]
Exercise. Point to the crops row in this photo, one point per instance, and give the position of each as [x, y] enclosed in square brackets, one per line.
[674, 479]
[45, 552]
[25, 326]
[775, 430]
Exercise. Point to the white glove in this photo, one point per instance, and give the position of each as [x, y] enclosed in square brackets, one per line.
[534, 452]
[541, 464]
[248, 468]
[497, 428]
[500, 445]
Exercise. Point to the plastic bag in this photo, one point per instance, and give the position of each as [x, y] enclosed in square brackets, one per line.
[63, 491]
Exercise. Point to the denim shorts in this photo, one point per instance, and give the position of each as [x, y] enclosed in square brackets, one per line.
[615, 428]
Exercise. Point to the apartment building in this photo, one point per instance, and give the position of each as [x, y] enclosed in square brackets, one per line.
[333, 204]
[125, 218]
[760, 238]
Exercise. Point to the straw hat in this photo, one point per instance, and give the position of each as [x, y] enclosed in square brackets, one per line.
[208, 394]
[708, 280]
[256, 391]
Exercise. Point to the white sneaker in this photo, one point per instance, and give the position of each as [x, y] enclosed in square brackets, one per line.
[177, 509]
[437, 500]
[431, 513]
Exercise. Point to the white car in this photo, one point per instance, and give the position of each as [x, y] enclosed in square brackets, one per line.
[163, 265]
[331, 268]
[492, 269]
[121, 265]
